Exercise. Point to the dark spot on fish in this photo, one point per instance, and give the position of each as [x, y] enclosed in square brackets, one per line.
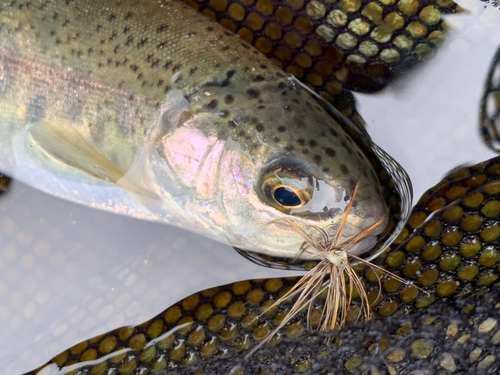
[223, 134]
[253, 93]
[210, 28]
[284, 93]
[217, 66]
[260, 128]
[110, 61]
[128, 15]
[116, 49]
[313, 143]
[241, 133]
[140, 76]
[318, 108]
[111, 17]
[289, 148]
[345, 146]
[134, 68]
[333, 132]
[167, 65]
[58, 41]
[326, 169]
[126, 29]
[232, 124]
[295, 100]
[160, 83]
[55, 16]
[191, 34]
[114, 34]
[305, 151]
[161, 45]
[36, 109]
[288, 108]
[162, 28]
[225, 48]
[258, 78]
[263, 66]
[301, 141]
[344, 169]
[230, 74]
[261, 107]
[212, 105]
[176, 68]
[280, 75]
[52, 33]
[317, 159]
[245, 45]
[228, 99]
[167, 88]
[281, 129]
[330, 151]
[192, 70]
[142, 43]
[276, 139]
[255, 52]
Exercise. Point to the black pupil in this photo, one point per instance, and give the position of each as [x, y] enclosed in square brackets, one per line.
[286, 197]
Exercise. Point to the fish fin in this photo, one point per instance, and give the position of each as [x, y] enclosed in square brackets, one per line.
[63, 142]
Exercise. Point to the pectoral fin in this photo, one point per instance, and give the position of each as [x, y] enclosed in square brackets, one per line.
[64, 142]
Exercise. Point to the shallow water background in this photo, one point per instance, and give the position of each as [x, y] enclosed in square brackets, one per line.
[70, 272]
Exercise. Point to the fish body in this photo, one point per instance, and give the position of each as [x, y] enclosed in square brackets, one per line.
[149, 109]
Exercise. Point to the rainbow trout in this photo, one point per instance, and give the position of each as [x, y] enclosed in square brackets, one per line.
[149, 109]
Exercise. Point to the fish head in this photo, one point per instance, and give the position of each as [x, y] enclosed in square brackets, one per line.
[257, 154]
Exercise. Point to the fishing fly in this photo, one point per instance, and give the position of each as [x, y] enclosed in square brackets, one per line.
[333, 275]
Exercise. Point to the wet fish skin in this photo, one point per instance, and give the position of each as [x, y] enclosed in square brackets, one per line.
[158, 88]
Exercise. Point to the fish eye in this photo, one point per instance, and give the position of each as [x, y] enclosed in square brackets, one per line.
[285, 193]
[286, 184]
[287, 196]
